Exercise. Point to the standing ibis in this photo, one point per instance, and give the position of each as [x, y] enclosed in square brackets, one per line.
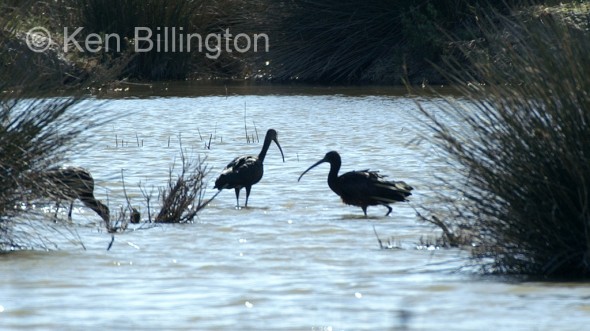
[245, 171]
[71, 183]
[362, 188]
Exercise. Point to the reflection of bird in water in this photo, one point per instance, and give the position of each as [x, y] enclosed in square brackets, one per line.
[245, 171]
[362, 188]
[73, 183]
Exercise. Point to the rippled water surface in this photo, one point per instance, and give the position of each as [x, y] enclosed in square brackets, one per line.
[296, 258]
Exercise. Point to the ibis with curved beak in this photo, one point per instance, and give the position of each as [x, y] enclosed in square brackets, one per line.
[71, 183]
[245, 171]
[362, 188]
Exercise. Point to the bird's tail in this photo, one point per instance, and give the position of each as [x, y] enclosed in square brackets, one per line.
[401, 185]
[392, 191]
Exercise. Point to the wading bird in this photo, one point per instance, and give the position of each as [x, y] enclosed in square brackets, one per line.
[245, 171]
[362, 188]
[71, 183]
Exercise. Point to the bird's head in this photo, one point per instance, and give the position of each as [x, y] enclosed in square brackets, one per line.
[331, 157]
[272, 135]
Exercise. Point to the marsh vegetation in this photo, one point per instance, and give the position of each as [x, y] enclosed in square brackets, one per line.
[522, 160]
[522, 148]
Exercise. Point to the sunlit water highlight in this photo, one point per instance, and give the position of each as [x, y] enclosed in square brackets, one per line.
[297, 258]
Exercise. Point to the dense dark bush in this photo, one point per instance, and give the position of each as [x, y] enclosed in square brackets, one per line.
[121, 17]
[522, 147]
[365, 41]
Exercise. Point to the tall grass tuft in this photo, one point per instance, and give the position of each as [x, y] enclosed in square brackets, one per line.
[521, 145]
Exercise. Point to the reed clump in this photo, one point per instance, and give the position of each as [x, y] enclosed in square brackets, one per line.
[521, 146]
[183, 196]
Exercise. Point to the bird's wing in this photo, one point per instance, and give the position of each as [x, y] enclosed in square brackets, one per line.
[379, 179]
[239, 163]
[367, 184]
[237, 173]
[355, 184]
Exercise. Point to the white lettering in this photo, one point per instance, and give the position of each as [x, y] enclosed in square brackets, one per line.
[216, 48]
[139, 40]
[248, 43]
[107, 39]
[93, 39]
[70, 39]
[256, 37]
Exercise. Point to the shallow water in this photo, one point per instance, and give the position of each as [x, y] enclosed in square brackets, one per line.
[296, 258]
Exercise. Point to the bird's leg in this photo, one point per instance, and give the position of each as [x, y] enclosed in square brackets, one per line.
[237, 189]
[56, 210]
[247, 194]
[389, 211]
[70, 212]
[364, 210]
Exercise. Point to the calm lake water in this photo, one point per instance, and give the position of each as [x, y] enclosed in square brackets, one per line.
[296, 258]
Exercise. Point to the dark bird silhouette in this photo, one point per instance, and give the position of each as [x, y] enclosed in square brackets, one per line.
[71, 183]
[362, 188]
[245, 171]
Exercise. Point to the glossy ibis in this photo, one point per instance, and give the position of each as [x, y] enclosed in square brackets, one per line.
[71, 183]
[245, 171]
[362, 188]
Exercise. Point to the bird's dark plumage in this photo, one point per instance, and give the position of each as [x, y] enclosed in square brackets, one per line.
[245, 171]
[362, 188]
[71, 183]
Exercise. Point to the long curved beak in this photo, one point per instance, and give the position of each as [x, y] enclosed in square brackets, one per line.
[313, 166]
[280, 149]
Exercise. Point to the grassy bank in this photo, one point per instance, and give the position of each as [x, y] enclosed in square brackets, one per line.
[311, 41]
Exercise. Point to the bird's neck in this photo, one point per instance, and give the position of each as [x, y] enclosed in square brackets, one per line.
[265, 147]
[99, 207]
[333, 174]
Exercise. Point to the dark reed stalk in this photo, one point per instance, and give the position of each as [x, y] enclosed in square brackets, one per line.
[246, 126]
[148, 198]
[121, 221]
[256, 131]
